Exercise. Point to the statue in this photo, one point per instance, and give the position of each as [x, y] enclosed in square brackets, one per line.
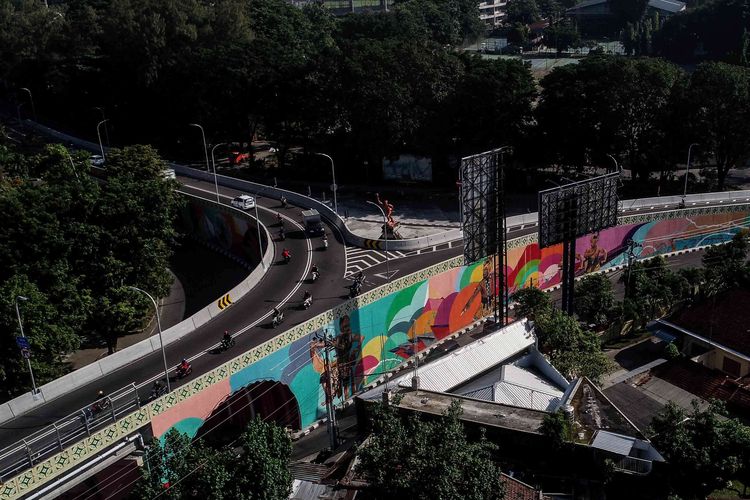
[390, 225]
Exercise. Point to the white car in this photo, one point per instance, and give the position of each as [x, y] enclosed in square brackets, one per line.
[97, 160]
[244, 202]
[168, 173]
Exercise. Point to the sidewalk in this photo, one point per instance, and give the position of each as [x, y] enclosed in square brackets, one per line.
[171, 312]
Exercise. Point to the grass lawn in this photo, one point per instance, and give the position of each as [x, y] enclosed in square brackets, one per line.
[625, 340]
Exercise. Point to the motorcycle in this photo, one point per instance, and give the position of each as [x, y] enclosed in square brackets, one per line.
[287, 258]
[184, 372]
[282, 235]
[307, 302]
[325, 243]
[276, 320]
[284, 203]
[101, 405]
[354, 289]
[157, 391]
[314, 276]
[226, 344]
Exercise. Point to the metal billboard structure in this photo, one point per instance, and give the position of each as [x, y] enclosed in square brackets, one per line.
[483, 207]
[573, 210]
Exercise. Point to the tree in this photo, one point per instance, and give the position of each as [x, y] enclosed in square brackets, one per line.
[704, 448]
[419, 459]
[594, 298]
[522, 11]
[726, 266]
[531, 302]
[653, 289]
[562, 37]
[628, 11]
[605, 104]
[556, 427]
[573, 351]
[718, 98]
[178, 468]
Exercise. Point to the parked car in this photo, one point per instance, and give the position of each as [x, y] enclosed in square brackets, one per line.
[244, 202]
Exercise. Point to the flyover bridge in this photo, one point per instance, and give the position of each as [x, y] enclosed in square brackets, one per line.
[435, 297]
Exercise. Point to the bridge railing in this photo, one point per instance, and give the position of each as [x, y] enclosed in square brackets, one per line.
[54, 438]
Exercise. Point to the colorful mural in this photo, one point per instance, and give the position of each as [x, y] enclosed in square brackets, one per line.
[375, 333]
[528, 265]
[222, 228]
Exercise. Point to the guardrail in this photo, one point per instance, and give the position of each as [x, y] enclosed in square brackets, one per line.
[87, 374]
[54, 438]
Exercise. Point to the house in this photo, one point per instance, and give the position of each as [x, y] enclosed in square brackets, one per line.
[594, 17]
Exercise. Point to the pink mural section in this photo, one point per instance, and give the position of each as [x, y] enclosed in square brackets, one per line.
[197, 407]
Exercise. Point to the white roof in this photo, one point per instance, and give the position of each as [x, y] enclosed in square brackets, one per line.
[470, 360]
[244, 197]
[521, 388]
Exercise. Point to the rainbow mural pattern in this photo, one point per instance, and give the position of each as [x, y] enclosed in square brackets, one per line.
[371, 338]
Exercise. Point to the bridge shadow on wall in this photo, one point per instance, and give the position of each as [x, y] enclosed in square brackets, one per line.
[268, 400]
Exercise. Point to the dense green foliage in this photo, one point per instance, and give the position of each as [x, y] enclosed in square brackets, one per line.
[414, 458]
[594, 298]
[72, 245]
[530, 302]
[716, 30]
[359, 86]
[704, 448]
[258, 468]
[557, 428]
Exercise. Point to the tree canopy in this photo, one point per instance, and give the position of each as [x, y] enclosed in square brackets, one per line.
[72, 246]
[414, 458]
[258, 468]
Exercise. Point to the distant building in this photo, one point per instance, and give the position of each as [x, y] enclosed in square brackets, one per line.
[595, 17]
[492, 12]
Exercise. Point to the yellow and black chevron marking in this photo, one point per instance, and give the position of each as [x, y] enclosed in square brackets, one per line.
[224, 302]
[372, 244]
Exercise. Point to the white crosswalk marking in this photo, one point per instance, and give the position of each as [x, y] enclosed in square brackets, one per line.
[359, 259]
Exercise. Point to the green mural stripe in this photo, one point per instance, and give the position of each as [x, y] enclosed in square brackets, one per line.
[527, 270]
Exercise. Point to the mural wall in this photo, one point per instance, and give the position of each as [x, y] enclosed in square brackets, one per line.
[528, 265]
[376, 332]
[223, 229]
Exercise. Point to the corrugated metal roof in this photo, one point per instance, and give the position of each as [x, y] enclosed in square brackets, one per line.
[306, 490]
[525, 378]
[485, 394]
[462, 364]
[523, 397]
[616, 443]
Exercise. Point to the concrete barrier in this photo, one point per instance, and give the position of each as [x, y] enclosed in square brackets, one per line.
[93, 371]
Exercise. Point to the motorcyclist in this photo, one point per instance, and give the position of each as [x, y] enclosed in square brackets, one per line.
[314, 270]
[282, 235]
[284, 202]
[184, 366]
[276, 313]
[325, 241]
[280, 219]
[227, 338]
[307, 299]
[286, 254]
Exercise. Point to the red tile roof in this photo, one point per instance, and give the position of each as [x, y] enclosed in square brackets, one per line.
[724, 319]
[517, 490]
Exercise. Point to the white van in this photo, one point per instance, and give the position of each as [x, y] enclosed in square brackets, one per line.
[168, 173]
[244, 202]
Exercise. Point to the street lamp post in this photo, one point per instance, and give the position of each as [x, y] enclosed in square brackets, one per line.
[106, 129]
[99, 134]
[257, 225]
[617, 166]
[213, 162]
[335, 187]
[385, 232]
[161, 341]
[20, 327]
[687, 168]
[31, 98]
[205, 148]
[73, 165]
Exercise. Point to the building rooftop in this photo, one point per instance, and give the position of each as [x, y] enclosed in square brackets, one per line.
[518, 490]
[672, 6]
[723, 320]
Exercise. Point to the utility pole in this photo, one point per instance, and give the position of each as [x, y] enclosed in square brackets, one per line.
[330, 409]
[632, 245]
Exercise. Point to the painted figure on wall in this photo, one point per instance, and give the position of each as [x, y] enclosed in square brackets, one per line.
[593, 257]
[348, 356]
